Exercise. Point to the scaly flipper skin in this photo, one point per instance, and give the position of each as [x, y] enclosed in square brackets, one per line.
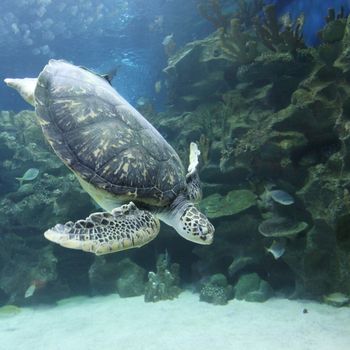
[103, 233]
[194, 189]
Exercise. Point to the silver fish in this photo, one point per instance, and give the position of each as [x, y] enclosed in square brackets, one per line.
[281, 197]
[30, 291]
[277, 248]
[29, 175]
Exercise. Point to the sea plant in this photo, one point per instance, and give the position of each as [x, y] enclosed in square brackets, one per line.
[248, 10]
[280, 35]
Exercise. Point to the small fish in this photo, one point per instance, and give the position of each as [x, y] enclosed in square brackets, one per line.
[277, 248]
[169, 45]
[157, 24]
[158, 86]
[29, 175]
[35, 285]
[30, 291]
[281, 197]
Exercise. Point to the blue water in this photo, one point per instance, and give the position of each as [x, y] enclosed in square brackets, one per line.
[96, 34]
[112, 33]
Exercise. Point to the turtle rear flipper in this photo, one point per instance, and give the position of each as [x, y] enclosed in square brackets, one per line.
[102, 233]
[25, 87]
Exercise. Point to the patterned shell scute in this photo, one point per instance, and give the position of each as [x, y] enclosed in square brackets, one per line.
[101, 137]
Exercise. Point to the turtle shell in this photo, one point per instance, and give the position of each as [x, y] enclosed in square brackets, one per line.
[103, 139]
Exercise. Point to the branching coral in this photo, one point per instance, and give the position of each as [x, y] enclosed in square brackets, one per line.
[331, 36]
[248, 10]
[331, 16]
[164, 284]
[282, 35]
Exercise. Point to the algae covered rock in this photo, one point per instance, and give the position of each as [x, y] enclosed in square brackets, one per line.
[124, 276]
[131, 279]
[251, 287]
[333, 31]
[239, 263]
[34, 268]
[196, 73]
[103, 275]
[9, 310]
[272, 66]
[236, 201]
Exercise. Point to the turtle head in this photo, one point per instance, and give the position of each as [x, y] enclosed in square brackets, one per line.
[25, 87]
[194, 226]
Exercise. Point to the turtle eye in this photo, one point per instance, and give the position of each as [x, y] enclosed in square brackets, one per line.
[201, 230]
[204, 230]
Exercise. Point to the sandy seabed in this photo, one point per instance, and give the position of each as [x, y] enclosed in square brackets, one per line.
[113, 323]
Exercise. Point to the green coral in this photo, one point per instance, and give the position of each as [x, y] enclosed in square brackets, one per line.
[164, 284]
[248, 10]
[282, 35]
[237, 44]
[331, 36]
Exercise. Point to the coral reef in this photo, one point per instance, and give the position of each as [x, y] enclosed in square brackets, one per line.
[53, 193]
[197, 72]
[22, 267]
[29, 268]
[280, 35]
[240, 46]
[284, 120]
[251, 287]
[248, 10]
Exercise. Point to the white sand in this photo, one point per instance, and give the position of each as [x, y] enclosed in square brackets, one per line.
[112, 323]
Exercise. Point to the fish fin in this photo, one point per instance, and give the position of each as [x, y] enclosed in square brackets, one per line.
[20, 179]
[109, 76]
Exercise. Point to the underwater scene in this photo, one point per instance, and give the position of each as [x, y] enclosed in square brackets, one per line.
[174, 174]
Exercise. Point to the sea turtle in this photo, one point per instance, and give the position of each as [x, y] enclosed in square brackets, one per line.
[119, 158]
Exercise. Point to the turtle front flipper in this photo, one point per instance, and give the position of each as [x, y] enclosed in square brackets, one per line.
[102, 233]
[194, 188]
